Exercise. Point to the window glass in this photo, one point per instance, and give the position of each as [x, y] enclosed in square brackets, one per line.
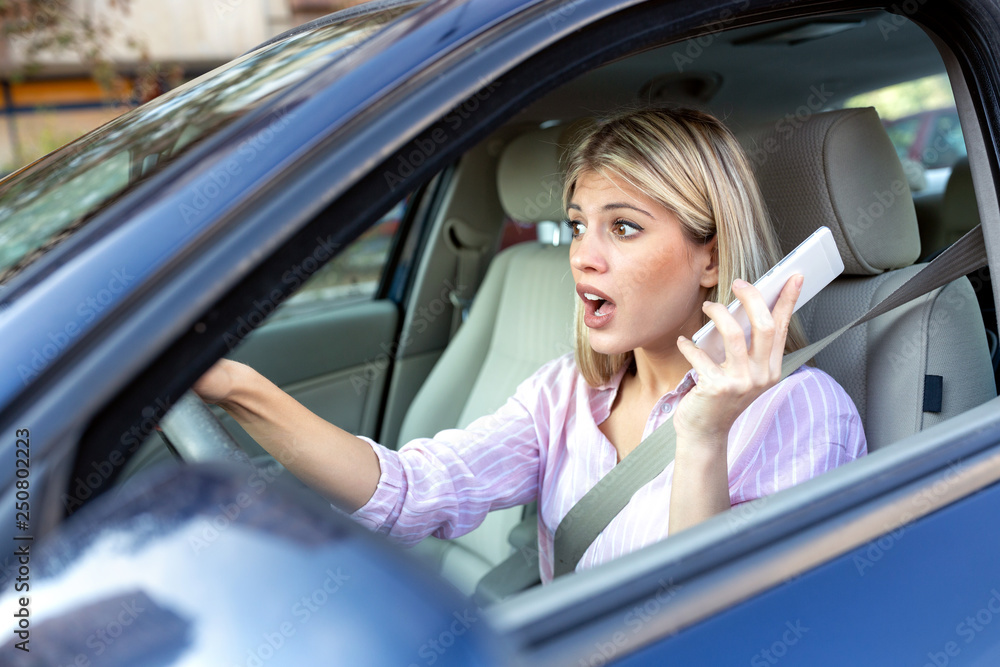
[55, 214]
[515, 232]
[921, 120]
[155, 134]
[354, 274]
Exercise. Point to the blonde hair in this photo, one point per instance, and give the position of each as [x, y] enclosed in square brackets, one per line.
[691, 164]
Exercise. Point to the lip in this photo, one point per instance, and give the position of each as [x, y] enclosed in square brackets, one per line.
[590, 318]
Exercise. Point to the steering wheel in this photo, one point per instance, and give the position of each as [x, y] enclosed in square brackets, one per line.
[193, 433]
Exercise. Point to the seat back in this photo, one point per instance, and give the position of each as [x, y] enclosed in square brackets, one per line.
[908, 369]
[522, 317]
[959, 211]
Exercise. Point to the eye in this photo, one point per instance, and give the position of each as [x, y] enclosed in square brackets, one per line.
[624, 229]
[575, 226]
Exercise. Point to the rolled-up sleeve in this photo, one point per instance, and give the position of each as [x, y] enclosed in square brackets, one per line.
[801, 428]
[445, 485]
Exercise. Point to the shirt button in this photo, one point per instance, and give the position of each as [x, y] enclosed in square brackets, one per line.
[667, 408]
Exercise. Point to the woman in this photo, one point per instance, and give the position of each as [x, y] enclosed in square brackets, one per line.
[668, 225]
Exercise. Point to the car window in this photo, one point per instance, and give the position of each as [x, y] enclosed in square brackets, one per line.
[515, 232]
[132, 147]
[920, 118]
[46, 217]
[354, 274]
[946, 141]
[358, 268]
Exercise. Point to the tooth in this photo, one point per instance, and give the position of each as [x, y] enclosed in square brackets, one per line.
[592, 297]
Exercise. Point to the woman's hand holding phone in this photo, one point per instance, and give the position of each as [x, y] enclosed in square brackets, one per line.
[725, 390]
[700, 487]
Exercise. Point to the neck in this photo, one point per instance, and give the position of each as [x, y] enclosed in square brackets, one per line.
[657, 373]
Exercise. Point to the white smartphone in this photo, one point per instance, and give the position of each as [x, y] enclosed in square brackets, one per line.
[816, 258]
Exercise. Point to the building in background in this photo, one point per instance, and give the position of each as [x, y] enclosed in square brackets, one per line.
[50, 98]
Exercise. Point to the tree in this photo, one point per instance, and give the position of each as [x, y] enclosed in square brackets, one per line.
[54, 27]
[40, 28]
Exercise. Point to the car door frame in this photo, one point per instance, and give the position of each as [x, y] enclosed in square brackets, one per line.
[558, 616]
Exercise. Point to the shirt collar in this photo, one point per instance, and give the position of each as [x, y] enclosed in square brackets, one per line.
[604, 395]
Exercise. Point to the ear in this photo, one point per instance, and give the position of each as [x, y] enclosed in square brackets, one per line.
[710, 264]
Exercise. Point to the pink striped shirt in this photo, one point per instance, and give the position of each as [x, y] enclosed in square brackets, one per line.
[545, 444]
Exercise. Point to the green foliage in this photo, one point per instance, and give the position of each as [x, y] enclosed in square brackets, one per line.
[904, 99]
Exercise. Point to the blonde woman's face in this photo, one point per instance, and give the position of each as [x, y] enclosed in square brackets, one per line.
[641, 281]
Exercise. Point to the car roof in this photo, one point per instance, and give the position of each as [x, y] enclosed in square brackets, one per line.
[848, 54]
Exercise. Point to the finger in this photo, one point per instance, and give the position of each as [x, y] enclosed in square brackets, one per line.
[733, 339]
[698, 358]
[782, 314]
[762, 325]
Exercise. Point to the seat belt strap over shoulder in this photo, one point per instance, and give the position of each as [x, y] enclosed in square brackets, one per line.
[599, 506]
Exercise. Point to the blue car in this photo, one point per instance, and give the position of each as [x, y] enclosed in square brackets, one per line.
[366, 210]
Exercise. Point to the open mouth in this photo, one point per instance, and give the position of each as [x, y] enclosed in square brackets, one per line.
[597, 306]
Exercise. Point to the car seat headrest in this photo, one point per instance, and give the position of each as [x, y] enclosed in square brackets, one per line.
[838, 169]
[959, 211]
[531, 170]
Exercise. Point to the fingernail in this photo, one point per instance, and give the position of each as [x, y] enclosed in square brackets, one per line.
[739, 283]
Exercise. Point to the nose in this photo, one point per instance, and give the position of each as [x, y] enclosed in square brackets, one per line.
[587, 254]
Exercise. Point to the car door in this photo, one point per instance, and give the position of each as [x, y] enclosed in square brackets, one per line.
[727, 580]
[889, 565]
[329, 345]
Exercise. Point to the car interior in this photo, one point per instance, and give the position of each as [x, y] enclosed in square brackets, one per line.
[471, 290]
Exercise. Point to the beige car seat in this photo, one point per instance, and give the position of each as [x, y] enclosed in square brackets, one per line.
[521, 318]
[909, 369]
[918, 365]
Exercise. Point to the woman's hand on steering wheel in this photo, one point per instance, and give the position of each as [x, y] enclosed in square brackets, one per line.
[217, 383]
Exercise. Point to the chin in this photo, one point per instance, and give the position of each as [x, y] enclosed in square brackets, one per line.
[609, 345]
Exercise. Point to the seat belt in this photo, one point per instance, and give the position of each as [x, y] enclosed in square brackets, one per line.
[469, 246]
[519, 571]
[599, 506]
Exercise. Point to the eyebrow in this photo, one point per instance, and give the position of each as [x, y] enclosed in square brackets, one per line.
[613, 206]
